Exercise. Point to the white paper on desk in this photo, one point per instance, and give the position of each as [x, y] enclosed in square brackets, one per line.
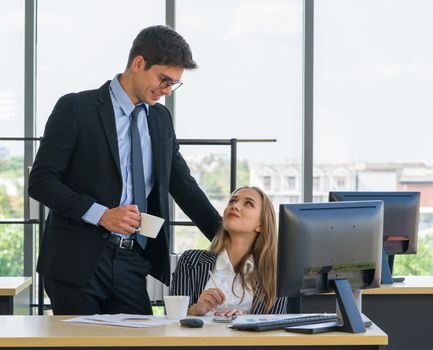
[122, 320]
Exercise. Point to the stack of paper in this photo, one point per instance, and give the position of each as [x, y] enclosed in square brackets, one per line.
[123, 320]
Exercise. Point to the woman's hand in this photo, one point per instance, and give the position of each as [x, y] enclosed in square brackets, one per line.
[208, 300]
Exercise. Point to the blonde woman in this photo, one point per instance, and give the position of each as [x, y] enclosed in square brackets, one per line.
[241, 261]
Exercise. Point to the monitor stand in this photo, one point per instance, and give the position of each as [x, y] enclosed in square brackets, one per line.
[352, 319]
[391, 267]
[387, 266]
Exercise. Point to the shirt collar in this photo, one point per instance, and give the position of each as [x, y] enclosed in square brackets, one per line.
[122, 97]
[223, 262]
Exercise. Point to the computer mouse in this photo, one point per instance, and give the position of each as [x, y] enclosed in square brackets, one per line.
[191, 322]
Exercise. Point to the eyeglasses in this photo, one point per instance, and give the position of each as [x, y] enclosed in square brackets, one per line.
[166, 82]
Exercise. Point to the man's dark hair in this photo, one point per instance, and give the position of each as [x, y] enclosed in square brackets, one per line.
[161, 45]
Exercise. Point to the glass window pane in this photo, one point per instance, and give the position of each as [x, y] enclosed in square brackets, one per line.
[11, 250]
[82, 49]
[248, 86]
[372, 102]
[11, 125]
[12, 73]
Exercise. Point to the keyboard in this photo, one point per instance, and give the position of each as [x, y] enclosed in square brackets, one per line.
[282, 323]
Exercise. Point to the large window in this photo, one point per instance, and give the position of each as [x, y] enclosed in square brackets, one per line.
[12, 125]
[372, 81]
[248, 86]
[372, 103]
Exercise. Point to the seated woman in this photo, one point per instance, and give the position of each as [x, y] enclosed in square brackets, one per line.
[242, 259]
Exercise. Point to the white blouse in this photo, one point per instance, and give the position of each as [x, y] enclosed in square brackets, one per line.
[224, 275]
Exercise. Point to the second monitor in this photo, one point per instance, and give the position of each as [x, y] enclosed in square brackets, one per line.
[400, 223]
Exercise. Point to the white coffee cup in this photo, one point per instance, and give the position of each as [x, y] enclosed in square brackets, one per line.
[176, 306]
[150, 225]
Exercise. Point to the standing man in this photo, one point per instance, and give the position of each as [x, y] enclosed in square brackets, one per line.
[107, 155]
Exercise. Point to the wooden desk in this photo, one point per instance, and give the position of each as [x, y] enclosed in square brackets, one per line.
[49, 331]
[403, 310]
[10, 288]
[412, 285]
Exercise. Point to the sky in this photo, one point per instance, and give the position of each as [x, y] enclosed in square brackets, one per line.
[373, 71]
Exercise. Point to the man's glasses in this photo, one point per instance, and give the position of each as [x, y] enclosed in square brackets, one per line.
[166, 82]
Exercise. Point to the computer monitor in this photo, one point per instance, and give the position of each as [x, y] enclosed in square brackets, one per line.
[400, 224]
[326, 247]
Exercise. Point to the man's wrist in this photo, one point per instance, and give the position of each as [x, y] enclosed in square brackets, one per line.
[100, 221]
[94, 214]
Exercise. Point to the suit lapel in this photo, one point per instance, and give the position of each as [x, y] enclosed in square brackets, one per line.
[155, 138]
[106, 115]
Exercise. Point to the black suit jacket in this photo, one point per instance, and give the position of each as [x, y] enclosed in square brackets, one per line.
[78, 164]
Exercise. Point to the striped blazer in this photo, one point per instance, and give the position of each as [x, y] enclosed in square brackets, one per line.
[192, 274]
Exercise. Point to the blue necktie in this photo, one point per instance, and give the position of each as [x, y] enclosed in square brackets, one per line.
[138, 182]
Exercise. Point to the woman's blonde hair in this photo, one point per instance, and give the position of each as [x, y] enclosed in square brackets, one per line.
[261, 282]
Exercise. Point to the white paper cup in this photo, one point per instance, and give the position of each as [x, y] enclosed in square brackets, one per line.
[150, 225]
[176, 306]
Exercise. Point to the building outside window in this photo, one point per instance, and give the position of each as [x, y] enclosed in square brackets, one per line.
[291, 182]
[340, 182]
[267, 183]
[316, 183]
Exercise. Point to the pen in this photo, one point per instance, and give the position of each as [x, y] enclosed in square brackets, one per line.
[212, 277]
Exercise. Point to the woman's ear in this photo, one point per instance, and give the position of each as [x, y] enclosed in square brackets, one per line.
[257, 229]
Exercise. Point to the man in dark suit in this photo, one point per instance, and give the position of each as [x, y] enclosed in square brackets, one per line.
[91, 257]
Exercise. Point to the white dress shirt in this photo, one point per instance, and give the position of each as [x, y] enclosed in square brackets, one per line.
[224, 275]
